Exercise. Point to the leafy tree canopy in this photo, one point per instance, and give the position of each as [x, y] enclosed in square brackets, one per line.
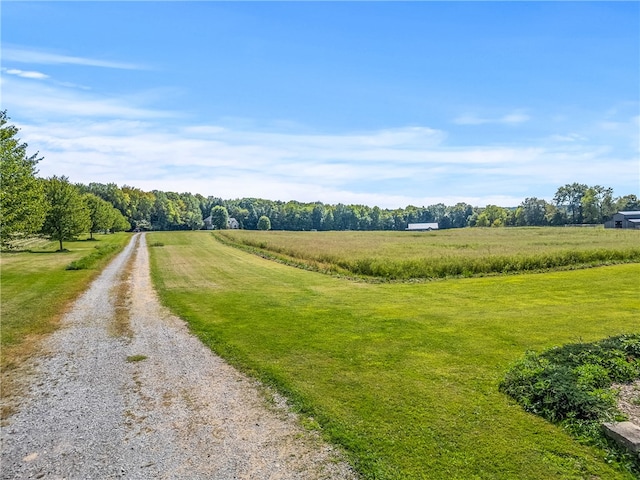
[22, 201]
[264, 223]
[101, 213]
[68, 215]
[219, 217]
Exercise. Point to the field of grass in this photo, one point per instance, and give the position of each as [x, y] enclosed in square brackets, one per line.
[444, 253]
[404, 376]
[37, 285]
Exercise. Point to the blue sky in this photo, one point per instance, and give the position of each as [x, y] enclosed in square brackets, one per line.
[380, 103]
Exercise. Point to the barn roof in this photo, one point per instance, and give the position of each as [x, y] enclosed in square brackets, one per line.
[422, 226]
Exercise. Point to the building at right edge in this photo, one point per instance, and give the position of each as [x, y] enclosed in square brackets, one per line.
[624, 220]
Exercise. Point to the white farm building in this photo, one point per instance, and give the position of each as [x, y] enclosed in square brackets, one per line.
[422, 226]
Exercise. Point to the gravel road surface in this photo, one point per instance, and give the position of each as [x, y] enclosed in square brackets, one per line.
[123, 390]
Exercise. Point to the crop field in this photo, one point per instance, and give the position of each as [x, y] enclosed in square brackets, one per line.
[404, 375]
[444, 253]
[37, 285]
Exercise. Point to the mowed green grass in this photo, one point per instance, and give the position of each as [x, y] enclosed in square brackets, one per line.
[403, 376]
[455, 252]
[35, 289]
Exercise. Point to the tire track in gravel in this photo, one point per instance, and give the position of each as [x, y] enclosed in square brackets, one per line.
[125, 391]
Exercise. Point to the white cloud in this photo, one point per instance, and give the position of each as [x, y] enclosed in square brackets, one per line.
[513, 118]
[32, 56]
[376, 168]
[26, 74]
[95, 138]
[45, 100]
[470, 119]
[570, 137]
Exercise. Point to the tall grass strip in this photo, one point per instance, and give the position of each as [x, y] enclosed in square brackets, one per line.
[405, 256]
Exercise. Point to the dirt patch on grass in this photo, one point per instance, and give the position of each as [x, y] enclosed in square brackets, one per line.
[629, 400]
[121, 326]
[15, 370]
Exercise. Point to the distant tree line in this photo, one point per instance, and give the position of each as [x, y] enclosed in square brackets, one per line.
[156, 210]
[60, 210]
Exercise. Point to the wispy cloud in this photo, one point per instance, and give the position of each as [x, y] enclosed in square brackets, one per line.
[513, 118]
[39, 57]
[569, 137]
[48, 100]
[375, 168]
[128, 140]
[26, 74]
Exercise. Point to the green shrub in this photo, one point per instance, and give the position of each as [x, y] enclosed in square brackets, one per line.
[591, 376]
[570, 385]
[567, 381]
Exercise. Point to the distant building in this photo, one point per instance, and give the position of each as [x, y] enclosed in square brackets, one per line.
[232, 223]
[624, 220]
[422, 226]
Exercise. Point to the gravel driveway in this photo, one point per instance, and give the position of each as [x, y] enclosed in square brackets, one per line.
[125, 391]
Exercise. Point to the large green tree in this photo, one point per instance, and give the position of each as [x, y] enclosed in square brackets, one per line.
[570, 197]
[166, 213]
[101, 214]
[219, 217]
[264, 223]
[460, 214]
[532, 212]
[492, 216]
[597, 204]
[192, 217]
[627, 203]
[68, 214]
[140, 206]
[22, 201]
[120, 223]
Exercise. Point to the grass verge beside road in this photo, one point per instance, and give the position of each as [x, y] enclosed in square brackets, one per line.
[403, 376]
[36, 289]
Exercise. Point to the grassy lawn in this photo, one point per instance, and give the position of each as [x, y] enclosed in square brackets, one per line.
[456, 252]
[36, 289]
[404, 376]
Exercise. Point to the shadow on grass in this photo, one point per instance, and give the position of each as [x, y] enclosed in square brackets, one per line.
[15, 252]
[64, 250]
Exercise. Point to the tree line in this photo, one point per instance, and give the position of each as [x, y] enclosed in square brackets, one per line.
[158, 210]
[52, 207]
[61, 210]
